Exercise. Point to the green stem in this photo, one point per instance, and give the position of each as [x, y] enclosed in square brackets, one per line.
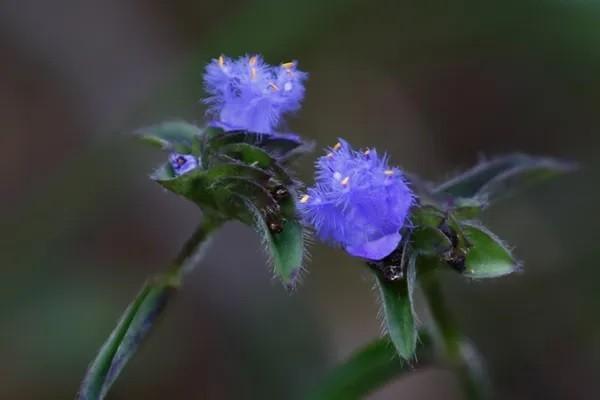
[451, 343]
[140, 316]
[368, 369]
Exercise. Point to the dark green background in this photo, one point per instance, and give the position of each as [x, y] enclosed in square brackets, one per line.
[436, 84]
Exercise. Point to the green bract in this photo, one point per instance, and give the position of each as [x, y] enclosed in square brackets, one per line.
[445, 233]
[241, 176]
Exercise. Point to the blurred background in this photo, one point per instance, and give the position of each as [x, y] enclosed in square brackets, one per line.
[436, 84]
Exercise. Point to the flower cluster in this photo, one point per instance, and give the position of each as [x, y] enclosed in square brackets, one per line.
[248, 94]
[358, 202]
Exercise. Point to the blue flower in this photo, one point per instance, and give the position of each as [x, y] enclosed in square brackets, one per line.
[358, 202]
[182, 163]
[247, 94]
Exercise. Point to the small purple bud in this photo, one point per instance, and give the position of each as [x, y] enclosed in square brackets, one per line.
[182, 163]
[358, 202]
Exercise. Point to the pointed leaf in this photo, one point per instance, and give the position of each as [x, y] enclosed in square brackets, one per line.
[487, 256]
[177, 136]
[429, 241]
[285, 245]
[501, 175]
[467, 208]
[427, 215]
[278, 146]
[253, 155]
[203, 188]
[125, 339]
[398, 311]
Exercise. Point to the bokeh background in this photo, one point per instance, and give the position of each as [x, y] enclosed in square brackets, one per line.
[438, 84]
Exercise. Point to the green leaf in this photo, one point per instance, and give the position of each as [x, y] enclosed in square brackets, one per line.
[427, 215]
[125, 339]
[285, 247]
[398, 311]
[467, 208]
[253, 155]
[280, 147]
[369, 369]
[429, 241]
[206, 187]
[179, 136]
[502, 176]
[487, 256]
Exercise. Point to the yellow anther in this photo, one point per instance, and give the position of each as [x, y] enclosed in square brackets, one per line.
[304, 199]
[221, 61]
[273, 86]
[345, 181]
[337, 146]
[389, 172]
[288, 65]
[252, 61]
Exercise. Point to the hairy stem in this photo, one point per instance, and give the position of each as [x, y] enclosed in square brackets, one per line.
[140, 316]
[451, 344]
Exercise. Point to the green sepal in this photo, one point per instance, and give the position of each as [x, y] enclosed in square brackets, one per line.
[179, 136]
[398, 309]
[487, 256]
[502, 176]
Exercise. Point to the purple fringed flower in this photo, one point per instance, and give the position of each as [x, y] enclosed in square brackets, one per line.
[358, 202]
[182, 163]
[247, 94]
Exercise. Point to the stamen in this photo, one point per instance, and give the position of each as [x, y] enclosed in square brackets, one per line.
[252, 61]
[221, 61]
[389, 172]
[366, 152]
[304, 199]
[329, 155]
[288, 65]
[345, 181]
[337, 146]
[273, 86]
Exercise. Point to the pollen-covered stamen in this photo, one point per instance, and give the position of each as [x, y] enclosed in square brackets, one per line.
[304, 199]
[273, 86]
[221, 61]
[345, 181]
[252, 61]
[366, 152]
[288, 65]
[389, 172]
[329, 155]
[337, 146]
[288, 86]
